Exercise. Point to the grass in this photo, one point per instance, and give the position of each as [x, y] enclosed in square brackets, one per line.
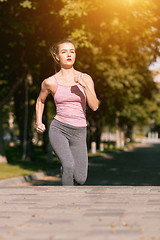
[9, 171]
[16, 167]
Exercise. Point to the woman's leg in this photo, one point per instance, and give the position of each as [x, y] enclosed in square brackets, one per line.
[79, 151]
[60, 144]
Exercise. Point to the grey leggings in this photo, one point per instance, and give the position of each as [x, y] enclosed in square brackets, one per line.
[69, 144]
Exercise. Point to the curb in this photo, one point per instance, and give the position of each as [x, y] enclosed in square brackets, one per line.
[27, 178]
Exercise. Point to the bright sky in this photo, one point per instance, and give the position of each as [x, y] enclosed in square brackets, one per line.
[155, 65]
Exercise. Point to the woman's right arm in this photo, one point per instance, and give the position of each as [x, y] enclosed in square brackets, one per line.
[40, 127]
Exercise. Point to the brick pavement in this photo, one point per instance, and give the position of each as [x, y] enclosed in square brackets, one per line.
[76, 213]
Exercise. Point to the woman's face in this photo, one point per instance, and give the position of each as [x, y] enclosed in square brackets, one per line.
[66, 55]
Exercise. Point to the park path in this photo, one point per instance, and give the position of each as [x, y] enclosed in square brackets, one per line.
[138, 166]
[80, 213]
[115, 205]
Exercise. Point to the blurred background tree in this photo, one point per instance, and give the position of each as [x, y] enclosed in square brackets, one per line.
[116, 42]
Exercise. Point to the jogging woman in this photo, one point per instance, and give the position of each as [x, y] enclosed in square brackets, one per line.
[67, 132]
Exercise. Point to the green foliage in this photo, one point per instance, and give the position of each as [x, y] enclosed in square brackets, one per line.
[73, 9]
[3, 87]
[152, 108]
[116, 40]
[27, 4]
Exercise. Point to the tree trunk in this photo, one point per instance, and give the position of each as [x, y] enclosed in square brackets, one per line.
[3, 158]
[24, 115]
[45, 134]
[11, 124]
[98, 133]
[129, 133]
[95, 127]
[24, 155]
[118, 143]
[47, 146]
[4, 101]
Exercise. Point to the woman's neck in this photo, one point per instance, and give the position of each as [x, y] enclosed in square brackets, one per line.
[67, 72]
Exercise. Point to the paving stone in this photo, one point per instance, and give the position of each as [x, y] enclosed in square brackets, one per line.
[80, 213]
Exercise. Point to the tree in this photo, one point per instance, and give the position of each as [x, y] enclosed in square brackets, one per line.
[25, 30]
[116, 40]
[121, 40]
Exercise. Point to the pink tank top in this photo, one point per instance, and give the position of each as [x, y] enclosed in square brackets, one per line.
[70, 104]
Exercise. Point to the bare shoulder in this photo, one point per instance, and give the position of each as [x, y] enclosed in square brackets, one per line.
[49, 84]
[49, 81]
[87, 76]
[88, 79]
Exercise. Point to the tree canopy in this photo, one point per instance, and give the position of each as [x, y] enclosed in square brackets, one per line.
[116, 42]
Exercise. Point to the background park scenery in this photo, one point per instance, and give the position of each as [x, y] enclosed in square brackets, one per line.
[116, 42]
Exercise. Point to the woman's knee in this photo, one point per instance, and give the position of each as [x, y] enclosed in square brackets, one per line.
[80, 180]
[68, 169]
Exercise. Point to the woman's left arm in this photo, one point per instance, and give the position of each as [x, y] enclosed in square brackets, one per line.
[88, 85]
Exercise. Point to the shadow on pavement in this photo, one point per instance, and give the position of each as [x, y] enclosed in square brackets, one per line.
[138, 167]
